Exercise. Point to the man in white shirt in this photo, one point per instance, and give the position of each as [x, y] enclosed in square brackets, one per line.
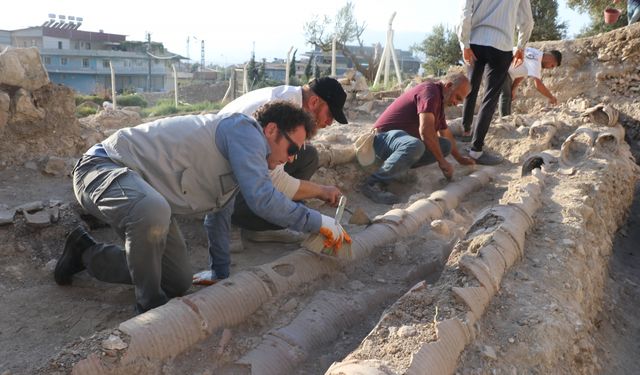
[534, 61]
[486, 35]
[324, 99]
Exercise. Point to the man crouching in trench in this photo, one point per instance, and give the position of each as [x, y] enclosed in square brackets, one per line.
[140, 178]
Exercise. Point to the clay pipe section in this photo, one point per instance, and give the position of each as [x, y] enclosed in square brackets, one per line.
[398, 223]
[498, 237]
[319, 324]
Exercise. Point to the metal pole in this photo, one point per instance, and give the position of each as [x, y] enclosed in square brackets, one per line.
[149, 62]
[333, 57]
[202, 55]
[175, 84]
[113, 85]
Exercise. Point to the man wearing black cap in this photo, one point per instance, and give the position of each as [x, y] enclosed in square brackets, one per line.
[322, 98]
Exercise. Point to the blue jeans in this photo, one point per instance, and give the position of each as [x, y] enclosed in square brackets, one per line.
[218, 227]
[401, 152]
[217, 224]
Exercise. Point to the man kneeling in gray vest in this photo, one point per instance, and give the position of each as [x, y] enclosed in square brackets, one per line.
[139, 178]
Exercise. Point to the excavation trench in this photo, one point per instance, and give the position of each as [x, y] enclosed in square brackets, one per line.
[618, 333]
[415, 297]
[340, 305]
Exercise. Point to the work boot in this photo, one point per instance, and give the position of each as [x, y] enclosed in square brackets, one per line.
[374, 191]
[70, 262]
[278, 235]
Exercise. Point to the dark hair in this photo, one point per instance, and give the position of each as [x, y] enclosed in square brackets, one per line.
[286, 115]
[557, 55]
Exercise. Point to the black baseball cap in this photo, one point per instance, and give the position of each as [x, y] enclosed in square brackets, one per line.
[331, 91]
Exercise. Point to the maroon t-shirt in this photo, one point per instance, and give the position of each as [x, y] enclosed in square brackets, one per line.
[403, 113]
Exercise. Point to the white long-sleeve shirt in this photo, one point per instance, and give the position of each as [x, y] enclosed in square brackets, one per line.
[248, 103]
[493, 22]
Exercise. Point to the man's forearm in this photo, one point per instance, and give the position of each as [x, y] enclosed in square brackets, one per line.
[429, 135]
[543, 89]
[446, 133]
[307, 190]
[516, 83]
[433, 145]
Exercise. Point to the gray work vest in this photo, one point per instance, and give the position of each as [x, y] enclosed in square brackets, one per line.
[179, 158]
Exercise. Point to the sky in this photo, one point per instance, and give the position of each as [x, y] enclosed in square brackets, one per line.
[232, 29]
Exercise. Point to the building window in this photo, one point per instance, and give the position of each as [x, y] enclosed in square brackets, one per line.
[105, 63]
[85, 63]
[88, 45]
[63, 61]
[24, 43]
[59, 45]
[47, 60]
[33, 43]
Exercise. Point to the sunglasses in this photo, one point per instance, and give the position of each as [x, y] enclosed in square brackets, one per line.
[293, 148]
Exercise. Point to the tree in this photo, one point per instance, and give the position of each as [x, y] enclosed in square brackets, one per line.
[346, 29]
[441, 50]
[545, 17]
[253, 75]
[262, 75]
[292, 65]
[595, 8]
[308, 70]
[194, 67]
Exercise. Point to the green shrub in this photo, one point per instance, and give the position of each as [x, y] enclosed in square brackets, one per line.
[85, 111]
[131, 100]
[200, 107]
[166, 107]
[161, 109]
[91, 98]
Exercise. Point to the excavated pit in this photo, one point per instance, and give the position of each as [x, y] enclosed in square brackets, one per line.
[523, 272]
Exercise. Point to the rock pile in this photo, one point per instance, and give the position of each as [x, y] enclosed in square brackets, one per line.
[36, 117]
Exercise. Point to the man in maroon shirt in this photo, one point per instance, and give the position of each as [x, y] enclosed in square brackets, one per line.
[413, 132]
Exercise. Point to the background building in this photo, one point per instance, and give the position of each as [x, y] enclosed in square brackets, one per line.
[80, 59]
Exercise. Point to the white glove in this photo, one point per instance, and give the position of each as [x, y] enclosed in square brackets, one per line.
[330, 223]
[334, 236]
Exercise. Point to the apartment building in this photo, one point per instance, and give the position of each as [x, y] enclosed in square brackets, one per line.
[81, 59]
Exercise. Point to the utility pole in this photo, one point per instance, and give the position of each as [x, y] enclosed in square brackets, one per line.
[202, 55]
[149, 61]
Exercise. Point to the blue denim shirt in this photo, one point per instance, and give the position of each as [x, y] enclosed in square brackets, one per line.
[241, 140]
